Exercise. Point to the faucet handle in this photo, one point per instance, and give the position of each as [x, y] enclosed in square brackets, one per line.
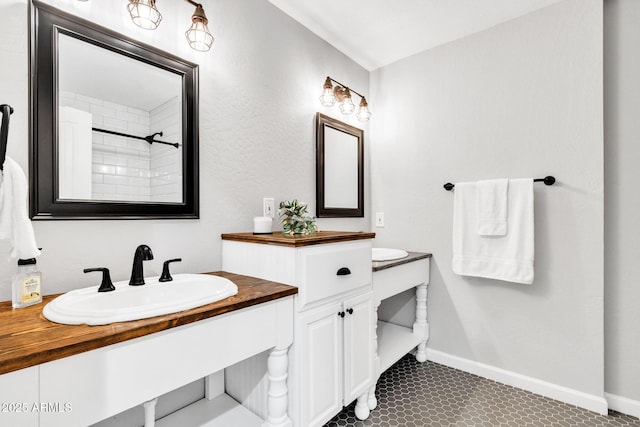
[166, 276]
[106, 285]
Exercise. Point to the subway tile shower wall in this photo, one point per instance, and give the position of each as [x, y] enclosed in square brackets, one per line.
[128, 169]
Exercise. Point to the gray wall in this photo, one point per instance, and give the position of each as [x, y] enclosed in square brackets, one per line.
[622, 198]
[522, 99]
[259, 89]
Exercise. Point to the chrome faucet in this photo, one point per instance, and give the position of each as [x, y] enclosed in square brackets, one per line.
[143, 253]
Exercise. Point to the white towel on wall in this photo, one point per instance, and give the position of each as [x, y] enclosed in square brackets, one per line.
[14, 220]
[508, 257]
[492, 201]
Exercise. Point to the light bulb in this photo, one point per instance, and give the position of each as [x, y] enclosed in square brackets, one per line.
[144, 13]
[347, 106]
[198, 34]
[328, 99]
[363, 113]
[199, 37]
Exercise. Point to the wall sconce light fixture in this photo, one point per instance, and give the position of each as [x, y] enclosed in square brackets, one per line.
[342, 94]
[145, 14]
[198, 34]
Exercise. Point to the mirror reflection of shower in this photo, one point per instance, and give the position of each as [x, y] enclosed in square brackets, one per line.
[120, 127]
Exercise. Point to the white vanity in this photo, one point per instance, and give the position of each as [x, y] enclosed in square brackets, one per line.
[394, 341]
[289, 359]
[332, 357]
[64, 376]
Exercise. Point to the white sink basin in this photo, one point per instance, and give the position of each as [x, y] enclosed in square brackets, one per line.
[155, 298]
[386, 254]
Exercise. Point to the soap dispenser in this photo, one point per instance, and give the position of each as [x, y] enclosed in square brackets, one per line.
[26, 284]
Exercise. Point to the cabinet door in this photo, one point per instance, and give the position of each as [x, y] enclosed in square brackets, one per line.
[19, 398]
[358, 346]
[320, 338]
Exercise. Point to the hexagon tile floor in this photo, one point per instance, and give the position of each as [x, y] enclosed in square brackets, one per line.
[412, 394]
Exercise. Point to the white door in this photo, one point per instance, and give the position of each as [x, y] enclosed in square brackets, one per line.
[320, 337]
[358, 346]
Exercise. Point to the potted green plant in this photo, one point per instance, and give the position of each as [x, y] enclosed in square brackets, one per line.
[295, 219]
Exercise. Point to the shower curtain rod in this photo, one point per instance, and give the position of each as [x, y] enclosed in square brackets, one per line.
[149, 138]
[548, 180]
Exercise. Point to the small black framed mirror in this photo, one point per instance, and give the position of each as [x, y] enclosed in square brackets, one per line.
[113, 124]
[339, 169]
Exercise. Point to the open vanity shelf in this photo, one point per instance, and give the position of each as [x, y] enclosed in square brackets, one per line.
[223, 411]
[391, 278]
[394, 341]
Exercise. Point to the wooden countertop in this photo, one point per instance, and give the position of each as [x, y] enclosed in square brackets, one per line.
[28, 339]
[413, 256]
[317, 238]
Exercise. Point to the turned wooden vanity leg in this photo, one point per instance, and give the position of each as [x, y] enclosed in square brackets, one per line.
[421, 326]
[150, 412]
[372, 402]
[277, 395]
[362, 407]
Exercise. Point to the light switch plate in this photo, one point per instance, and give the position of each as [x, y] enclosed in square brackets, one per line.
[268, 206]
[379, 219]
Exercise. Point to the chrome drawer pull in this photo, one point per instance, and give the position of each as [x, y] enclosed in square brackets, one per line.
[344, 271]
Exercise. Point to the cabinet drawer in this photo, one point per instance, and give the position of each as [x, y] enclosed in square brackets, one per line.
[319, 276]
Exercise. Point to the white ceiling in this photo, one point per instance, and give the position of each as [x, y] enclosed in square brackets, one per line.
[375, 33]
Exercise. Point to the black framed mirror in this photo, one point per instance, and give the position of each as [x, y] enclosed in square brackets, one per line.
[113, 124]
[339, 169]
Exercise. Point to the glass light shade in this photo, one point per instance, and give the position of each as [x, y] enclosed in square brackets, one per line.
[199, 37]
[363, 113]
[328, 99]
[347, 106]
[144, 14]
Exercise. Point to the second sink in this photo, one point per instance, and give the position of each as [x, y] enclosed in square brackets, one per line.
[386, 254]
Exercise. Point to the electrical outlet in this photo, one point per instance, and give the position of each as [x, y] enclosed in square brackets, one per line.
[379, 219]
[268, 207]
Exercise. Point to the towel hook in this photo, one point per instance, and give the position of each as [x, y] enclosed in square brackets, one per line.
[6, 110]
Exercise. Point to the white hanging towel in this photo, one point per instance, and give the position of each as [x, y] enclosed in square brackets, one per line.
[492, 203]
[14, 221]
[508, 257]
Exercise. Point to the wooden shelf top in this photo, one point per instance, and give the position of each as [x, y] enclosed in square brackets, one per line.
[413, 256]
[317, 238]
[28, 339]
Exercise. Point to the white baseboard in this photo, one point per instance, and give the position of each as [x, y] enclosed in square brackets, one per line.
[564, 394]
[623, 404]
